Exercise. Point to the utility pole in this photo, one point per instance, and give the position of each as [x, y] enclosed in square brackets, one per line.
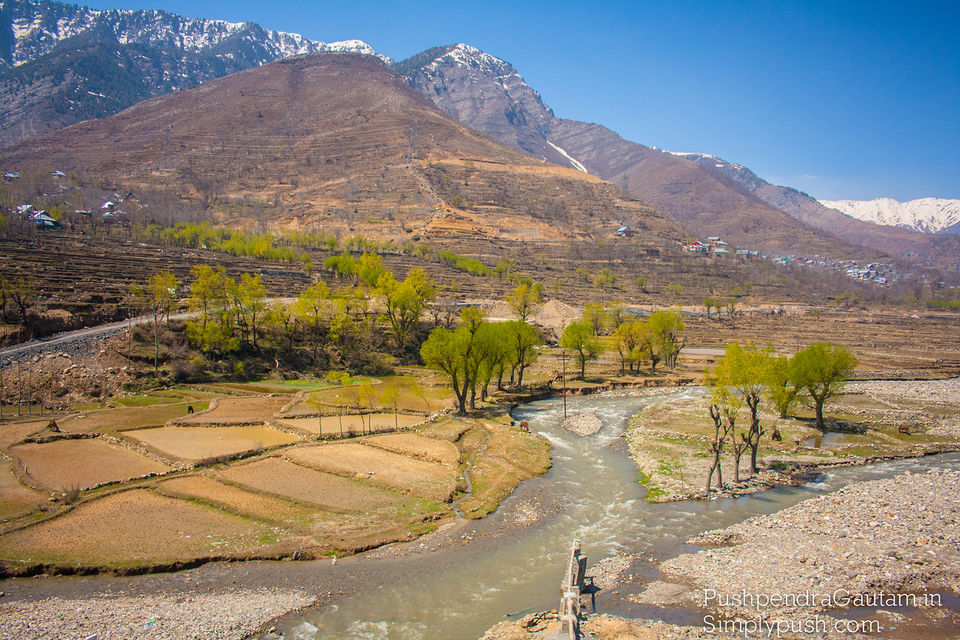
[563, 377]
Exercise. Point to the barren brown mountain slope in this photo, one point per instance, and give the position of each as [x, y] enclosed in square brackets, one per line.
[340, 143]
[488, 94]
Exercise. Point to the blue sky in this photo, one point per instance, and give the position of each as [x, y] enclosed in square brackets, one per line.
[839, 99]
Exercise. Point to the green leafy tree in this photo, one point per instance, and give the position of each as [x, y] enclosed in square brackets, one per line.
[405, 302]
[743, 372]
[522, 343]
[525, 300]
[780, 389]
[664, 329]
[310, 307]
[821, 370]
[580, 338]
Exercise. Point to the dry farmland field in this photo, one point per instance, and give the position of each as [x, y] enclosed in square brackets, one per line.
[143, 486]
[192, 444]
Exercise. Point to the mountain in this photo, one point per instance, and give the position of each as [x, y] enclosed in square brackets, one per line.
[704, 193]
[488, 94]
[939, 251]
[61, 64]
[331, 142]
[929, 215]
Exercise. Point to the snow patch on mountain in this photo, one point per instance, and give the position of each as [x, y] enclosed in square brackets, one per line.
[576, 164]
[38, 27]
[929, 215]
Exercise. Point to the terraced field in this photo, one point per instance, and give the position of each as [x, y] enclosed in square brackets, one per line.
[170, 499]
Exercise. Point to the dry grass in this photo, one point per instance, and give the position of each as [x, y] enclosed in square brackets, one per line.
[239, 411]
[83, 463]
[293, 481]
[130, 528]
[509, 456]
[15, 498]
[233, 498]
[198, 443]
[350, 424]
[417, 446]
[449, 429]
[127, 417]
[383, 468]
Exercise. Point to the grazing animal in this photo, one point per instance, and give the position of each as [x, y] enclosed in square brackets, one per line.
[776, 435]
[524, 426]
[904, 429]
[189, 409]
[52, 425]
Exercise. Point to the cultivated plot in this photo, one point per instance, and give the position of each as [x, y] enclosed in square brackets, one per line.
[383, 468]
[239, 411]
[352, 424]
[200, 443]
[130, 528]
[82, 463]
[297, 482]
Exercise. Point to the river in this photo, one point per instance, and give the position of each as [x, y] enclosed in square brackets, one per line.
[459, 591]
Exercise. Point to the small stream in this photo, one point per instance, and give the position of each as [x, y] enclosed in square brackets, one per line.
[459, 592]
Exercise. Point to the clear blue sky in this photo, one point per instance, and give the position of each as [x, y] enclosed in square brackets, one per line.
[840, 99]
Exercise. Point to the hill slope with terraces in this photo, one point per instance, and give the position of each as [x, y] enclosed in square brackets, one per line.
[334, 143]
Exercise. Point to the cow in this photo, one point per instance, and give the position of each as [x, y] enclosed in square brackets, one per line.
[189, 409]
[776, 435]
[904, 429]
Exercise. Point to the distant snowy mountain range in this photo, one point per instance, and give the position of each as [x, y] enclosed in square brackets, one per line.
[61, 63]
[37, 27]
[930, 215]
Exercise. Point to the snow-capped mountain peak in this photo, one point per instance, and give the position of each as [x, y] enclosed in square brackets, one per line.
[39, 26]
[930, 215]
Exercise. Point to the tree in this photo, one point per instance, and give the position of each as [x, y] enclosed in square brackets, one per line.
[742, 373]
[723, 409]
[21, 292]
[630, 342]
[453, 353]
[309, 307]
[596, 315]
[525, 300]
[604, 279]
[780, 389]
[821, 369]
[404, 302]
[370, 268]
[579, 337]
[391, 398]
[522, 341]
[253, 297]
[157, 298]
[664, 328]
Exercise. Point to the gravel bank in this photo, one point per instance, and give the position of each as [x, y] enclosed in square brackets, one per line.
[893, 536]
[584, 424]
[225, 616]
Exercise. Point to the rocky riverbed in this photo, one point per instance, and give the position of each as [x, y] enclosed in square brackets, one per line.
[899, 535]
[162, 616]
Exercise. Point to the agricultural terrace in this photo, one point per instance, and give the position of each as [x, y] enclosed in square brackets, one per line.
[152, 486]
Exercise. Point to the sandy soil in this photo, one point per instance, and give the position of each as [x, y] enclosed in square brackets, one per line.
[330, 425]
[129, 528]
[14, 497]
[13, 432]
[382, 468]
[417, 446]
[84, 463]
[198, 443]
[239, 411]
[299, 483]
[233, 498]
[126, 417]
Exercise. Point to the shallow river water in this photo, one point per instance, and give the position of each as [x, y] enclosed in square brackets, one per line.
[594, 495]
